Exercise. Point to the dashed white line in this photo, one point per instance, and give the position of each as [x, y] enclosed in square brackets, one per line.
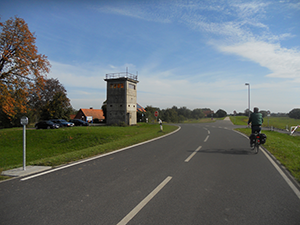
[192, 155]
[206, 138]
[138, 208]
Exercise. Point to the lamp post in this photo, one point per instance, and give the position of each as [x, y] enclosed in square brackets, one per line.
[248, 98]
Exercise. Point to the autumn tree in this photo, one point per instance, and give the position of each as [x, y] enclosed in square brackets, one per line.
[22, 69]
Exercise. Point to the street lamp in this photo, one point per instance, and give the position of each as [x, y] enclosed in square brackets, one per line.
[248, 98]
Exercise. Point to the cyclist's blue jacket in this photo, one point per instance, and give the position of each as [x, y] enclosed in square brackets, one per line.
[256, 119]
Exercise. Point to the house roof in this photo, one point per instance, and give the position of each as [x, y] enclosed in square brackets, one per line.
[139, 108]
[95, 113]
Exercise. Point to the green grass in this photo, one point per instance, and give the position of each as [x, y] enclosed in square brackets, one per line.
[280, 122]
[284, 147]
[239, 120]
[56, 147]
[277, 122]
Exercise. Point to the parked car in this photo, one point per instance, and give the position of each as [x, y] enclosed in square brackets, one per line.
[46, 124]
[78, 122]
[62, 123]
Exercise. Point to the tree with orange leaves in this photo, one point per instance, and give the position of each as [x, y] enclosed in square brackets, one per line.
[22, 69]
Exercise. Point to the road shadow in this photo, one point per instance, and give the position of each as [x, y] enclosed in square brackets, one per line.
[232, 151]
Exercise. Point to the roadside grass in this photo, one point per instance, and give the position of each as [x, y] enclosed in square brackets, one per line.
[277, 122]
[280, 122]
[64, 145]
[239, 120]
[284, 147]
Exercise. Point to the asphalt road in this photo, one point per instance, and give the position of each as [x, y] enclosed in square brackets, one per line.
[202, 174]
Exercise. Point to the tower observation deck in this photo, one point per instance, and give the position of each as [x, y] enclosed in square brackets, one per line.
[121, 75]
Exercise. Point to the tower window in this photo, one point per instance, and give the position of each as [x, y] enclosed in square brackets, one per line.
[131, 86]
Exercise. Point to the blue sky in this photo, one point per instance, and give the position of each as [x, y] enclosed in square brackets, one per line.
[196, 53]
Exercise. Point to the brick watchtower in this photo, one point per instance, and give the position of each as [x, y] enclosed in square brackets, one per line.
[121, 98]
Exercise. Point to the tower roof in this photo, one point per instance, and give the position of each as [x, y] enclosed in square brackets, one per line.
[121, 75]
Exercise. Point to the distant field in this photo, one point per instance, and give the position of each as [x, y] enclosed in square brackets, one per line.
[277, 122]
[55, 147]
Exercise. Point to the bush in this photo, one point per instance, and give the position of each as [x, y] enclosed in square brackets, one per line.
[295, 114]
[221, 113]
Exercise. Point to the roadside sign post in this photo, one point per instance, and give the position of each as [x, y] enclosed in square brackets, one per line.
[156, 114]
[234, 112]
[24, 122]
[269, 113]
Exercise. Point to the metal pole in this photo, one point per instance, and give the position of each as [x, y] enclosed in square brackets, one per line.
[24, 147]
[248, 98]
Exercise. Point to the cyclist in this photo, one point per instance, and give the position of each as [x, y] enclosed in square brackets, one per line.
[256, 121]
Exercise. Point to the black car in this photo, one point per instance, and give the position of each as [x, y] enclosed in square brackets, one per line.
[47, 124]
[62, 123]
[78, 122]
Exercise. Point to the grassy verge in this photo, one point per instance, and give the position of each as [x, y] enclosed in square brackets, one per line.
[64, 145]
[284, 147]
[239, 120]
[277, 122]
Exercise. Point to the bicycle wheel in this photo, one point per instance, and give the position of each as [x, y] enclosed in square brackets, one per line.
[257, 148]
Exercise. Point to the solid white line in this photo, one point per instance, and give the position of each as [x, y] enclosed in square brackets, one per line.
[99, 156]
[206, 138]
[289, 182]
[192, 155]
[141, 205]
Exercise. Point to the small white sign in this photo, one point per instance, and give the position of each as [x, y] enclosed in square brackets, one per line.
[24, 120]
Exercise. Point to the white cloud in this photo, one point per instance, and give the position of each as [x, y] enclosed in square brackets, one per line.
[148, 12]
[78, 76]
[85, 76]
[283, 62]
[246, 10]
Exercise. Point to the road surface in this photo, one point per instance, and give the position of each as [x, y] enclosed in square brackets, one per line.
[202, 174]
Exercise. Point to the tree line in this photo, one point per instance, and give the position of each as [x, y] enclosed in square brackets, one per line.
[177, 115]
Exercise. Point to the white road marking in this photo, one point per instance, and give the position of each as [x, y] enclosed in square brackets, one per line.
[289, 182]
[96, 157]
[192, 155]
[138, 208]
[206, 138]
[207, 130]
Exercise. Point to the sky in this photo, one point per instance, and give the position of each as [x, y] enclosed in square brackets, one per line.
[194, 54]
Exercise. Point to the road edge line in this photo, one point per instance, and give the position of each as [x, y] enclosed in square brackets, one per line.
[278, 167]
[98, 156]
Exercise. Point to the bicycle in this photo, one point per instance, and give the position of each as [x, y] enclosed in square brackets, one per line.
[255, 141]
